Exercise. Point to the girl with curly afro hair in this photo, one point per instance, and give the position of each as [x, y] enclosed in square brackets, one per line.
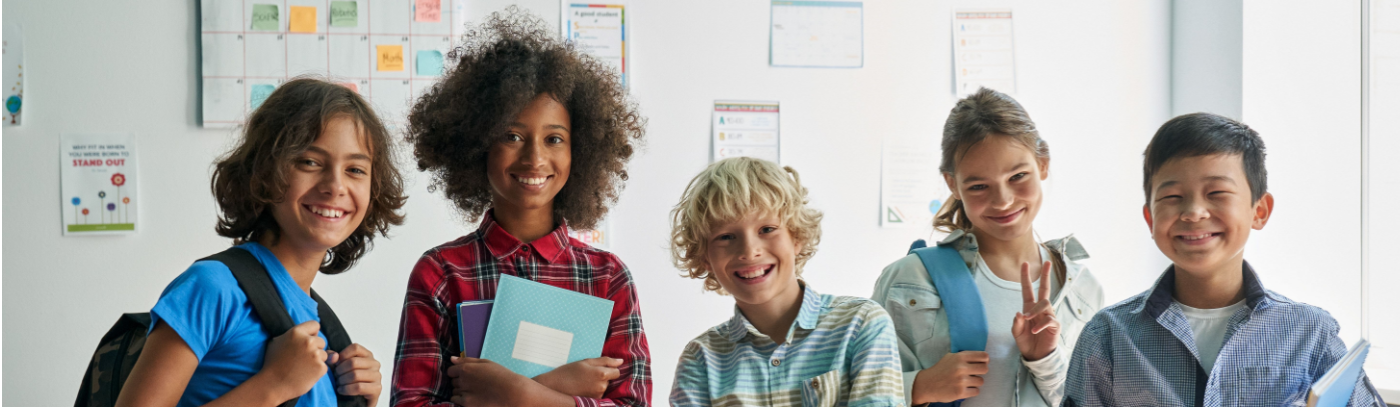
[531, 136]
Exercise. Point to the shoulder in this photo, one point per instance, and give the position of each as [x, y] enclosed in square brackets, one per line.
[907, 270]
[205, 277]
[711, 341]
[852, 305]
[1116, 317]
[1284, 311]
[458, 253]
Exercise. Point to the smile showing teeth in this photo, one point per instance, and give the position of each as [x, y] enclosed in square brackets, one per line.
[531, 181]
[1196, 237]
[753, 272]
[327, 212]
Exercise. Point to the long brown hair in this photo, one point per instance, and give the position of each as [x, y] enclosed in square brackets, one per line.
[252, 178]
[984, 114]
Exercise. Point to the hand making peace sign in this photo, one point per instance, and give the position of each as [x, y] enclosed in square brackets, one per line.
[1036, 329]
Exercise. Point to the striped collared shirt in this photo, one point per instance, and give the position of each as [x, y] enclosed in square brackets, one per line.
[1141, 352]
[841, 351]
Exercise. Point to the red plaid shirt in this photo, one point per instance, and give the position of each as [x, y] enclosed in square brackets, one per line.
[467, 269]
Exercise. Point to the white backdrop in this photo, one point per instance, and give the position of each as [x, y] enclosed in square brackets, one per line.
[1094, 74]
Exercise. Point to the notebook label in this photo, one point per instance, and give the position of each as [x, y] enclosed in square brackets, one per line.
[542, 345]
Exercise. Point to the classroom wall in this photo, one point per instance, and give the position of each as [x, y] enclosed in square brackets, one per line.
[1206, 56]
[1095, 74]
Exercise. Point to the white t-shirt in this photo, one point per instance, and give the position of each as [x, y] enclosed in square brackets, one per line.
[1208, 328]
[1002, 300]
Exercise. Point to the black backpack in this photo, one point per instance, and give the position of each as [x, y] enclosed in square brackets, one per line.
[121, 346]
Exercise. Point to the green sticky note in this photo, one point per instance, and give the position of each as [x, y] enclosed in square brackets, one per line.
[265, 17]
[344, 14]
[428, 63]
[258, 94]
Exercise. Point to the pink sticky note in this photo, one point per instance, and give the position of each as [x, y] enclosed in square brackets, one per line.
[427, 11]
[350, 85]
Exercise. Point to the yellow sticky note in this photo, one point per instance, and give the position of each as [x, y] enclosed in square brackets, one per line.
[390, 57]
[303, 19]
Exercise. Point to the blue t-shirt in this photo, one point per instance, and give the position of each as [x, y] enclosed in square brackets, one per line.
[205, 306]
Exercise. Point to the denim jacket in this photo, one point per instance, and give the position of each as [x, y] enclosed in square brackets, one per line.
[907, 293]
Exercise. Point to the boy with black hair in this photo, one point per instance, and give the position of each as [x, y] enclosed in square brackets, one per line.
[1207, 333]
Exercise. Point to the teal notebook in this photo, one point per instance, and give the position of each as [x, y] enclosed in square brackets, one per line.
[1336, 386]
[536, 327]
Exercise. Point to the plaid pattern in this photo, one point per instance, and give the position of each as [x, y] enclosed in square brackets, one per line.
[841, 351]
[467, 269]
[1141, 352]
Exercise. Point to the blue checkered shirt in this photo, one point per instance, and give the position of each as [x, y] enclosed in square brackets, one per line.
[1140, 352]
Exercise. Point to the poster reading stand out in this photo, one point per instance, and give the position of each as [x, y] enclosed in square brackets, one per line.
[99, 184]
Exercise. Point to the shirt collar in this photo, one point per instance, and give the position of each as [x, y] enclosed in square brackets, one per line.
[807, 318]
[501, 244]
[1161, 296]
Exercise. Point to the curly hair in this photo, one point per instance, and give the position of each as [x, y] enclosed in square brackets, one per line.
[501, 66]
[729, 190]
[251, 178]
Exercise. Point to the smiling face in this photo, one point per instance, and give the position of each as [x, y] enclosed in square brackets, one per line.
[998, 181]
[754, 259]
[1200, 212]
[328, 189]
[530, 163]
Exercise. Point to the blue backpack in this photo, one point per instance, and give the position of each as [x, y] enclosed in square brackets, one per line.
[962, 303]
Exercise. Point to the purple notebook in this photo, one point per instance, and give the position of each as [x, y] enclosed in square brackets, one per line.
[472, 317]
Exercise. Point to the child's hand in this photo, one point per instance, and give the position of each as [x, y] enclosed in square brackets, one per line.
[957, 376]
[356, 372]
[295, 360]
[1036, 329]
[585, 378]
[480, 382]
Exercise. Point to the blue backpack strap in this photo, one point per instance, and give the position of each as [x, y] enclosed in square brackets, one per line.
[962, 303]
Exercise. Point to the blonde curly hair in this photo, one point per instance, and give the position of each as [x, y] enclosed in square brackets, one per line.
[732, 189]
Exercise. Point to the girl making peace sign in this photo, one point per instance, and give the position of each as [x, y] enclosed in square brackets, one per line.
[994, 161]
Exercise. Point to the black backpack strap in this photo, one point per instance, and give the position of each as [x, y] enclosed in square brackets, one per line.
[338, 339]
[262, 293]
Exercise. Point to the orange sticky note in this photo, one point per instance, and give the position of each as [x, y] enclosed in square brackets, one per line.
[427, 11]
[303, 19]
[390, 57]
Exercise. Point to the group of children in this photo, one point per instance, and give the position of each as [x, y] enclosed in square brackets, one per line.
[531, 137]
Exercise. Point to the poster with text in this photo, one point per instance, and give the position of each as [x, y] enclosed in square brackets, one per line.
[817, 34]
[601, 31]
[744, 129]
[600, 236]
[99, 184]
[911, 188]
[984, 53]
[14, 72]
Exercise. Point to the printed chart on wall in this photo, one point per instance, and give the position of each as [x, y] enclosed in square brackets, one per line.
[983, 52]
[599, 30]
[744, 129]
[389, 51]
[14, 72]
[827, 34]
[911, 188]
[99, 184]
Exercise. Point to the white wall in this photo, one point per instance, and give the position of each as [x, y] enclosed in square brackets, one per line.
[1093, 73]
[1206, 57]
[1383, 365]
[1302, 92]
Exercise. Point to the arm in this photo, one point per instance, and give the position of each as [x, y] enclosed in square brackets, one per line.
[875, 376]
[1364, 394]
[628, 342]
[1090, 378]
[1049, 373]
[909, 362]
[167, 363]
[420, 365]
[692, 385]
